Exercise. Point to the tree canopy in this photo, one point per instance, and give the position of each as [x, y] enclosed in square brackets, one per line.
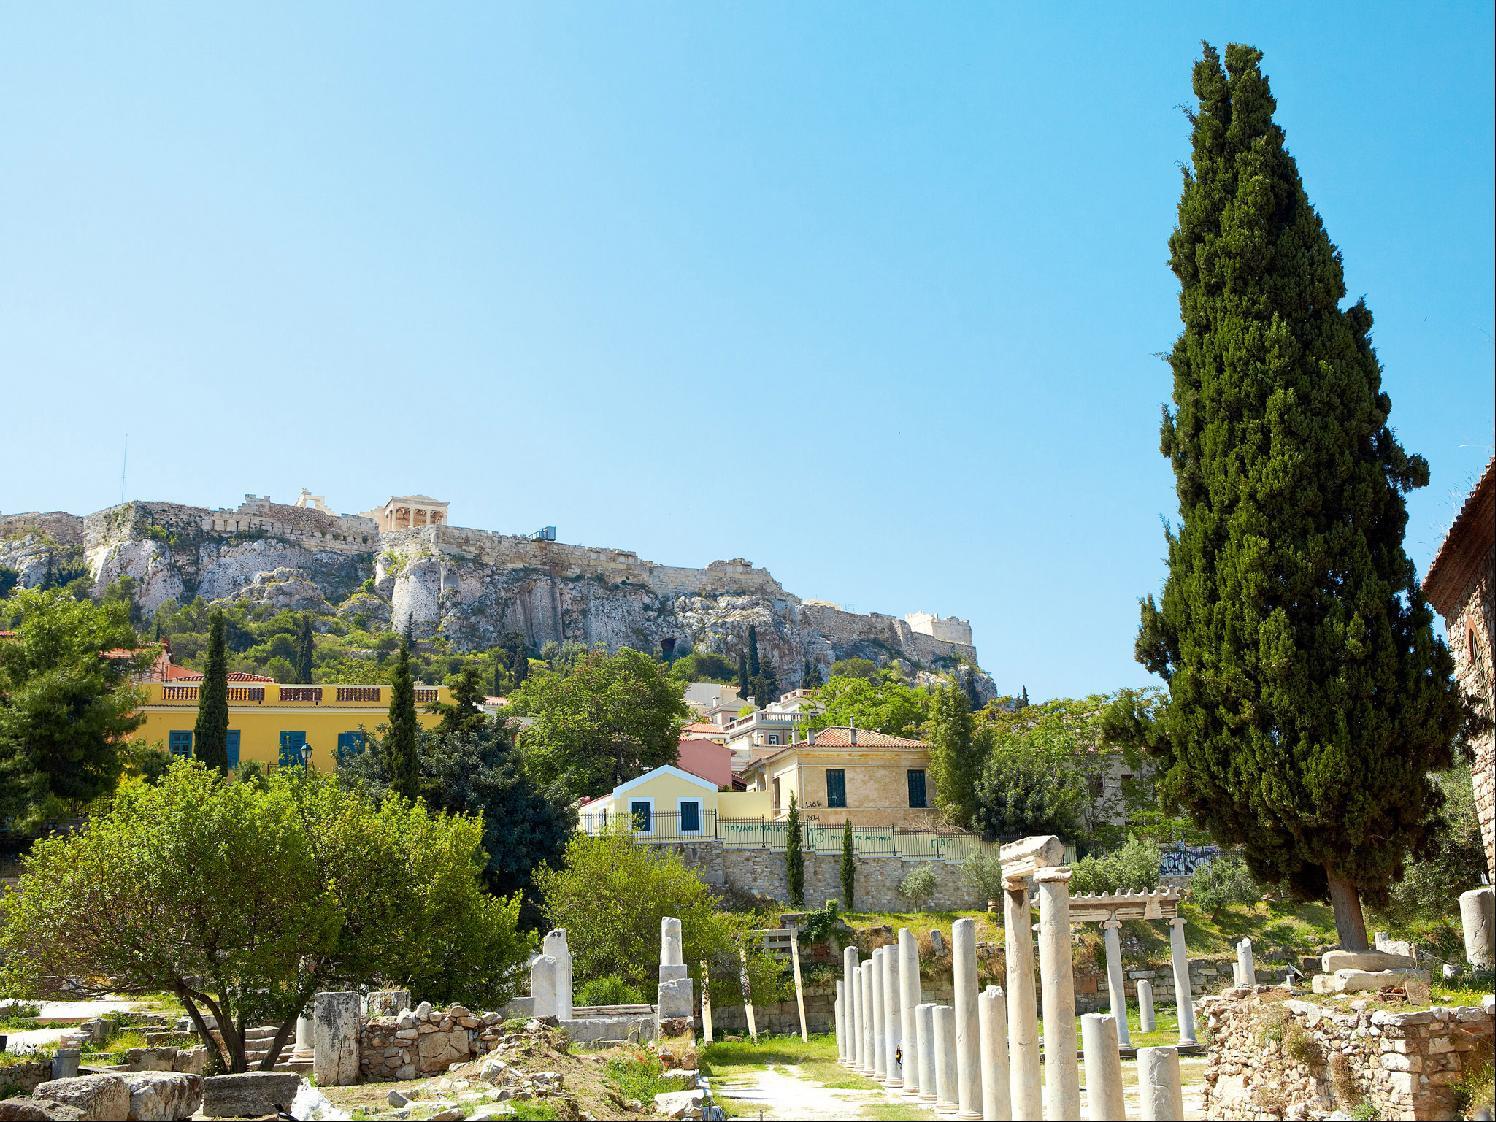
[1308, 697]
[65, 712]
[958, 751]
[886, 703]
[243, 899]
[605, 720]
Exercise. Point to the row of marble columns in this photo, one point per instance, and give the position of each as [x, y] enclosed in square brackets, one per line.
[980, 1056]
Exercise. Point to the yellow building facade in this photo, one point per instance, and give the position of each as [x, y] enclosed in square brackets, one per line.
[276, 725]
[670, 802]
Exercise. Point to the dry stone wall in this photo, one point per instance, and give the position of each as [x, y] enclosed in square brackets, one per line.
[424, 1041]
[1273, 1056]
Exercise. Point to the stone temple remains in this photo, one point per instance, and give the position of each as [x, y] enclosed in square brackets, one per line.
[403, 564]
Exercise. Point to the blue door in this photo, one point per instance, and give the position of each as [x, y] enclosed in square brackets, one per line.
[233, 748]
[179, 741]
[350, 744]
[290, 748]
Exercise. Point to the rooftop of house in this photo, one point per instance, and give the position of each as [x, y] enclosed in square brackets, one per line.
[1457, 564]
[840, 737]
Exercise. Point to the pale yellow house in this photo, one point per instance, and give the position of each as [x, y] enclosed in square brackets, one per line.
[670, 803]
[848, 774]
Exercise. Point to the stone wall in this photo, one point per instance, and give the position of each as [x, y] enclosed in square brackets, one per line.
[761, 872]
[1470, 640]
[1272, 1056]
[424, 1041]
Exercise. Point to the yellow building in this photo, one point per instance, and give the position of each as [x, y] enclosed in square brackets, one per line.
[849, 774]
[273, 724]
[669, 803]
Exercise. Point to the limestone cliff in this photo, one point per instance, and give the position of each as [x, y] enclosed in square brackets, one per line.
[473, 586]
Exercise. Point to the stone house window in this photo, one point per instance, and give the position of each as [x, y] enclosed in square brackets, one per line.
[642, 813]
[918, 796]
[774, 797]
[836, 787]
[179, 742]
[689, 816]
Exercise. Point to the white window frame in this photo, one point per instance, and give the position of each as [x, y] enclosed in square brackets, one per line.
[700, 817]
[633, 822]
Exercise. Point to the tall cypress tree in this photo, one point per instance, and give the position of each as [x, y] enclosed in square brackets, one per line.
[304, 647]
[210, 736]
[753, 666]
[1308, 698]
[400, 741]
[848, 865]
[956, 754]
[743, 688]
[794, 856]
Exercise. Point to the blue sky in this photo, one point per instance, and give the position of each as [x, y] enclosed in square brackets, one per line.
[870, 294]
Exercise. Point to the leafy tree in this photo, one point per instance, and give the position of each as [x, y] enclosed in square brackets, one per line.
[9, 578]
[1224, 881]
[463, 714]
[65, 713]
[1030, 787]
[703, 666]
[210, 736]
[474, 769]
[156, 894]
[917, 889]
[305, 647]
[855, 668]
[1132, 868]
[957, 751]
[887, 704]
[794, 857]
[610, 894]
[1308, 696]
[848, 865]
[1451, 859]
[399, 741]
[610, 719]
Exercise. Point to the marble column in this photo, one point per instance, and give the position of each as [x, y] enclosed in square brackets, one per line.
[866, 971]
[880, 1028]
[910, 995]
[1246, 964]
[555, 946]
[945, 1060]
[924, 1044]
[1182, 995]
[992, 1021]
[1478, 921]
[849, 993]
[1098, 1034]
[1057, 978]
[1115, 985]
[893, 1078]
[336, 1018]
[1025, 1085]
[968, 1038]
[1158, 1084]
[837, 1010]
[1145, 1005]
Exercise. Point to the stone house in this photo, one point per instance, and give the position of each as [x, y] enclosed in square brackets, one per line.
[849, 774]
[667, 804]
[1459, 585]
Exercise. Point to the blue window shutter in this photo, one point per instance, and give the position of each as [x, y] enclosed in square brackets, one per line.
[643, 816]
[836, 786]
[290, 748]
[690, 816]
[179, 742]
[233, 748]
[917, 796]
[350, 744]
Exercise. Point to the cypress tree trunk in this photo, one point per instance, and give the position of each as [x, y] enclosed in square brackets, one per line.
[1308, 697]
[210, 736]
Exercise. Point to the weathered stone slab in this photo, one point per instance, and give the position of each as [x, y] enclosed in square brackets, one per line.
[160, 1096]
[1361, 981]
[386, 1003]
[335, 1036]
[252, 1094]
[26, 1109]
[1478, 917]
[103, 1097]
[1331, 961]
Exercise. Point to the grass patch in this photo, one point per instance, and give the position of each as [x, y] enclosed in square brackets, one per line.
[895, 1112]
[638, 1074]
[534, 1111]
[814, 1059]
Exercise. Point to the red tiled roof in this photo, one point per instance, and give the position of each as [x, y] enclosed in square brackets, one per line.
[839, 738]
[182, 674]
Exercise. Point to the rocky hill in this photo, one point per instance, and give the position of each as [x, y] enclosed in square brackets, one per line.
[473, 586]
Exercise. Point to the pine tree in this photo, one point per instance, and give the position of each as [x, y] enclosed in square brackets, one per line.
[956, 754]
[794, 857]
[402, 763]
[304, 647]
[848, 865]
[210, 736]
[463, 715]
[1308, 698]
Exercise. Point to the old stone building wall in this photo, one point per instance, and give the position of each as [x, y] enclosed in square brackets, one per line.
[424, 1041]
[1272, 1056]
[1470, 641]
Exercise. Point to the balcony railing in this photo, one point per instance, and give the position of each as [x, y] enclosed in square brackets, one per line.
[427, 696]
[359, 693]
[312, 694]
[253, 694]
[179, 693]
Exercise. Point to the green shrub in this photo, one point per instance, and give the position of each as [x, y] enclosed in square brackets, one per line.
[1133, 868]
[918, 888]
[609, 990]
[982, 872]
[1226, 880]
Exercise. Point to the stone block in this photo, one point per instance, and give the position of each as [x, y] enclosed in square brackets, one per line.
[676, 999]
[1478, 917]
[102, 1097]
[1333, 961]
[336, 1021]
[251, 1094]
[386, 1003]
[27, 1109]
[160, 1096]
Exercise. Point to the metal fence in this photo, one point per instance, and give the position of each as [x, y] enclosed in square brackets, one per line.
[763, 833]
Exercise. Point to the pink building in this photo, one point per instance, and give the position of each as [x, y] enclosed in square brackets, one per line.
[707, 759]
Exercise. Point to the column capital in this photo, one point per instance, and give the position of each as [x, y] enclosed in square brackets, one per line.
[1111, 925]
[1055, 874]
[1177, 921]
